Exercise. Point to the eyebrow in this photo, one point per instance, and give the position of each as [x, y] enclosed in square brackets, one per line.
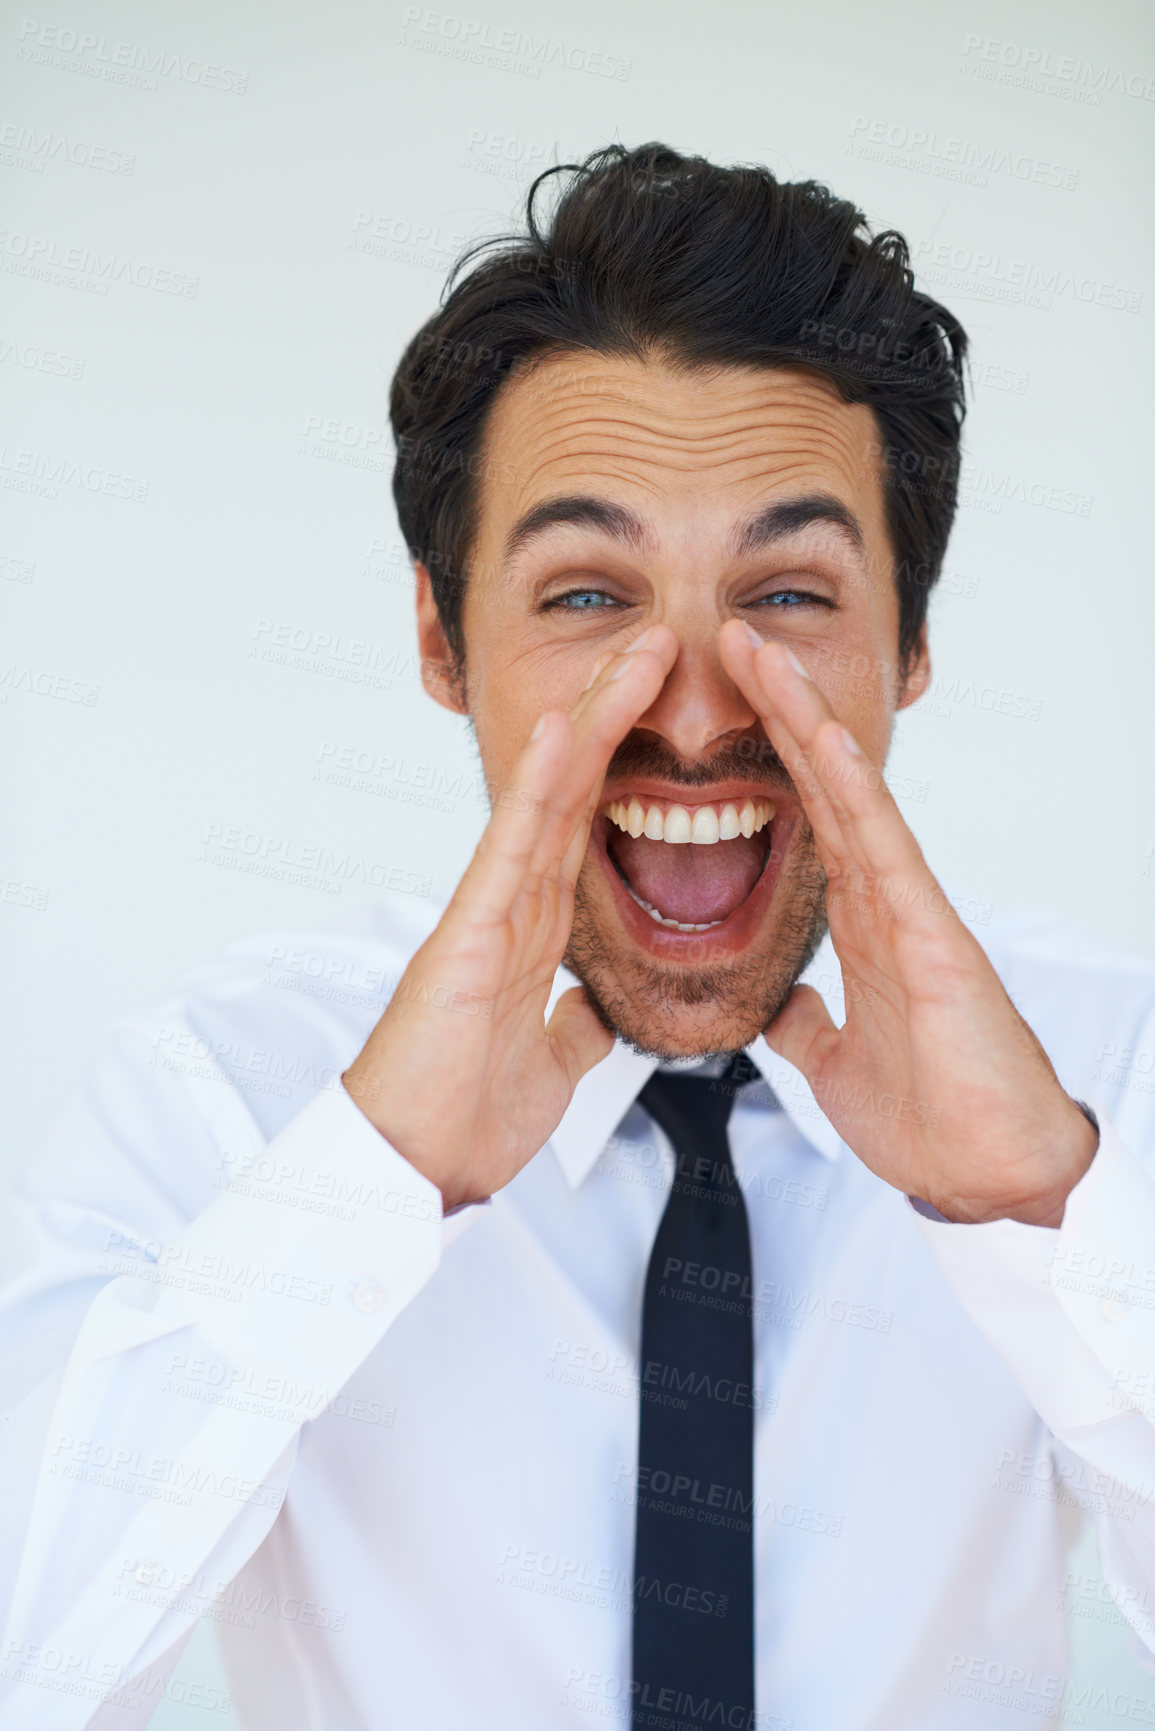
[773, 523]
[785, 518]
[583, 510]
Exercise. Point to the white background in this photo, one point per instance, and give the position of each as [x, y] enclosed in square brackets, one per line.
[252, 168]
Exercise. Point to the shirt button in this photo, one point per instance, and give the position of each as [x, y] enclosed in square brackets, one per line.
[146, 1574]
[369, 1296]
[1113, 1307]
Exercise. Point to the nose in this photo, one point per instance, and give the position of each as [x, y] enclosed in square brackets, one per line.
[699, 705]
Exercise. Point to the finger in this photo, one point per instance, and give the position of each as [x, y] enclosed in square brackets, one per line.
[603, 715]
[577, 1035]
[503, 856]
[872, 829]
[738, 657]
[603, 725]
[803, 1033]
[536, 814]
[854, 786]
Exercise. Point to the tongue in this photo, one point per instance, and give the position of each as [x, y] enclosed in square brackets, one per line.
[689, 883]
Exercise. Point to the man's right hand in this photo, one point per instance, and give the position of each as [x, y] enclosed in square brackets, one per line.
[463, 1075]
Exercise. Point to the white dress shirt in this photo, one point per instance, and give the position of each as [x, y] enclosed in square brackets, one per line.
[252, 1375]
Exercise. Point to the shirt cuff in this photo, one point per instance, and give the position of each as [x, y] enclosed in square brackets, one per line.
[315, 1243]
[1071, 1308]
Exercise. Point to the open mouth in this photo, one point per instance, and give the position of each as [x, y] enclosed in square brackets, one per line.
[691, 870]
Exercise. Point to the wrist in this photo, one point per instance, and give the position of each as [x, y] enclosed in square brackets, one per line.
[1042, 1203]
[455, 1190]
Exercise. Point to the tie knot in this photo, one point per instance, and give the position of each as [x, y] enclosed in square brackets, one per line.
[694, 1111]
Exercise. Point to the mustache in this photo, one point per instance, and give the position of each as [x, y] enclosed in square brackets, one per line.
[744, 759]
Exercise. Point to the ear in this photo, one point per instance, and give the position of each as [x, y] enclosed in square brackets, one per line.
[440, 672]
[916, 677]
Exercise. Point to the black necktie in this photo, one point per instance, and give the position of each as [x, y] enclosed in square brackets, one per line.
[693, 1658]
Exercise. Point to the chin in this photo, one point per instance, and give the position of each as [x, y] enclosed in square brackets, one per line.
[684, 1034]
[672, 994]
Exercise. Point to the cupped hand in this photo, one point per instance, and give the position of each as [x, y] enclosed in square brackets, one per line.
[463, 1075]
[934, 1080]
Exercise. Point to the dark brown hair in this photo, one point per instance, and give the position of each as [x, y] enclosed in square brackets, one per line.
[647, 251]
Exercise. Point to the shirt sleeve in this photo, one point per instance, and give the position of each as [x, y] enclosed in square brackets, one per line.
[1071, 1309]
[157, 1374]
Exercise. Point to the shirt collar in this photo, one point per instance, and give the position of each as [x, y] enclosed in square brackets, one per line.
[605, 1094]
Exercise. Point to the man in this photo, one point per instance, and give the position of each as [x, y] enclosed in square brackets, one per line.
[553, 1308]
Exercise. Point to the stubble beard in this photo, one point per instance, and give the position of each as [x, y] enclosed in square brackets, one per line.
[670, 1010]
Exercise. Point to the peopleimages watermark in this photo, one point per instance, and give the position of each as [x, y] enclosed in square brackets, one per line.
[293, 1184]
[1090, 1595]
[997, 1683]
[330, 440]
[33, 358]
[381, 234]
[924, 150]
[609, 1696]
[70, 1671]
[505, 155]
[223, 1601]
[42, 475]
[338, 979]
[1126, 1067]
[47, 259]
[310, 865]
[247, 1389]
[41, 682]
[1045, 1478]
[506, 50]
[22, 146]
[130, 63]
[715, 1503]
[162, 1478]
[364, 769]
[1030, 67]
[24, 895]
[214, 1274]
[1021, 282]
[14, 570]
[236, 1064]
[603, 1585]
[331, 655]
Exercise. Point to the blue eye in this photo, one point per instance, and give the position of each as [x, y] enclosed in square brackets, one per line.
[583, 600]
[786, 598]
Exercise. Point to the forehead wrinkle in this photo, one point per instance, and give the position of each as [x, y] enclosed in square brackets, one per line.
[651, 386]
[730, 423]
[742, 491]
[841, 446]
[562, 439]
[700, 406]
[648, 467]
[662, 395]
[674, 443]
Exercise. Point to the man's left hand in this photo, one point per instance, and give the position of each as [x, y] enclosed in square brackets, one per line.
[934, 1080]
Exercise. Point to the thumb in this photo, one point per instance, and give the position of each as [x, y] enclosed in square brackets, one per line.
[577, 1034]
[803, 1033]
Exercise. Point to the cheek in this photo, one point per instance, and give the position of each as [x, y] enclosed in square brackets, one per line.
[526, 676]
[509, 690]
[858, 681]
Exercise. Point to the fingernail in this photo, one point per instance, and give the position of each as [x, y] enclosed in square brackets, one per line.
[851, 743]
[752, 634]
[625, 664]
[795, 663]
[538, 729]
[595, 674]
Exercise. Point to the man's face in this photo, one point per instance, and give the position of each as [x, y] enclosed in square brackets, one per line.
[616, 494]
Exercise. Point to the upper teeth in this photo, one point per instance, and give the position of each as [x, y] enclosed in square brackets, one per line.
[707, 823]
